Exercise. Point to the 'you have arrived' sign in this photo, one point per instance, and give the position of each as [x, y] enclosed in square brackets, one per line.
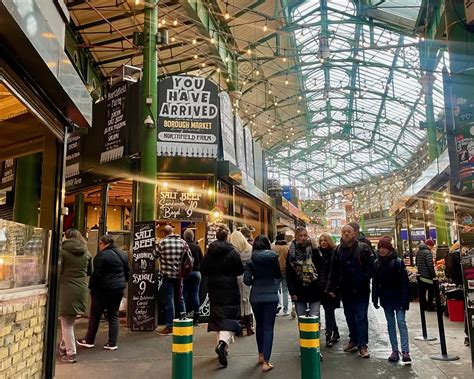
[187, 117]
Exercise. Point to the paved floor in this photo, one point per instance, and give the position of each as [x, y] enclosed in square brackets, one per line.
[145, 354]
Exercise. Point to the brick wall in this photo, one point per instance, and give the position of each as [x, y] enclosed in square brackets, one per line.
[22, 324]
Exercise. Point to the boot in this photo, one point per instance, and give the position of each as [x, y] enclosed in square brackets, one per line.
[335, 336]
[196, 319]
[249, 325]
[221, 353]
[328, 339]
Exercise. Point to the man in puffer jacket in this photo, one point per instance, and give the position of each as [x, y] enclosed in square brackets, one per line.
[426, 271]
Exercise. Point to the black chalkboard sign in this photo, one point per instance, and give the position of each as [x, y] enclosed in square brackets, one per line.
[143, 284]
[116, 123]
[177, 204]
[7, 174]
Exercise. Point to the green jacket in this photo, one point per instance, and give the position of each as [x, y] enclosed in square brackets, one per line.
[75, 266]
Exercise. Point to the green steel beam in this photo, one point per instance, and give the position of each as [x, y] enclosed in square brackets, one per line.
[385, 94]
[208, 26]
[146, 210]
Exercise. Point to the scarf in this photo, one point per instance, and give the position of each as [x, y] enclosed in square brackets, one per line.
[302, 262]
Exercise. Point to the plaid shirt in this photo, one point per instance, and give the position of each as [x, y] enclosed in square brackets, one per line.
[170, 251]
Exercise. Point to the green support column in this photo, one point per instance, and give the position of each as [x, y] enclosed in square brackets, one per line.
[79, 213]
[27, 189]
[428, 60]
[148, 164]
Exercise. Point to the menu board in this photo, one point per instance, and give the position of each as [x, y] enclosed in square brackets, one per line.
[188, 117]
[227, 127]
[249, 155]
[143, 285]
[116, 122]
[7, 174]
[180, 204]
[240, 145]
[73, 159]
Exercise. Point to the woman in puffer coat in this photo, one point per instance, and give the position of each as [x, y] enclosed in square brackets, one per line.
[262, 272]
[222, 265]
[75, 265]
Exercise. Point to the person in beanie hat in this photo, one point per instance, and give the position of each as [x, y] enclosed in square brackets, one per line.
[426, 271]
[391, 287]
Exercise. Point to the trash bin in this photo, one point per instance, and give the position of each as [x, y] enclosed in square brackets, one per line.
[456, 310]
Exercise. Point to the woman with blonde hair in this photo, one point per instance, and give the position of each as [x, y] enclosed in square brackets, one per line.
[330, 303]
[238, 240]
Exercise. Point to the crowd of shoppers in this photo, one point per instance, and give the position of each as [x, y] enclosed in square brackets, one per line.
[249, 278]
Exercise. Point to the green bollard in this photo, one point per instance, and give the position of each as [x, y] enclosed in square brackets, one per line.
[309, 347]
[182, 366]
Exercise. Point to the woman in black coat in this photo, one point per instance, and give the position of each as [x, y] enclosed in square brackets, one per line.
[330, 303]
[391, 287]
[262, 272]
[222, 265]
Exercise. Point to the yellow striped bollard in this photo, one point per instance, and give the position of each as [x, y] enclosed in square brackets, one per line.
[182, 366]
[309, 347]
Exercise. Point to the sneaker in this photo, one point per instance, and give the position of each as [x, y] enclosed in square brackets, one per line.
[166, 331]
[221, 353]
[69, 358]
[83, 343]
[364, 352]
[108, 346]
[394, 357]
[350, 346]
[406, 358]
[278, 310]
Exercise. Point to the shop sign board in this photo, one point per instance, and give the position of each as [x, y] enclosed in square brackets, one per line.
[240, 145]
[178, 204]
[227, 127]
[143, 284]
[249, 155]
[73, 161]
[188, 117]
[465, 150]
[115, 124]
[7, 174]
[467, 264]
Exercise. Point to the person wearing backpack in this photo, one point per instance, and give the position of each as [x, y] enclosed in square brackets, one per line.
[173, 254]
[391, 287]
[353, 267]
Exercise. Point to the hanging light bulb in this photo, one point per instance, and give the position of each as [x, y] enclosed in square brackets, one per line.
[227, 15]
[213, 41]
[257, 72]
[286, 80]
[194, 41]
[175, 22]
[284, 59]
[265, 27]
[249, 51]
[196, 56]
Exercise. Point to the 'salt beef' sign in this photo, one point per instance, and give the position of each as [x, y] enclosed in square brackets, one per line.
[143, 285]
[188, 117]
[180, 205]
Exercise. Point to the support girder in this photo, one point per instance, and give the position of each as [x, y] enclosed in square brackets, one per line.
[207, 26]
[387, 87]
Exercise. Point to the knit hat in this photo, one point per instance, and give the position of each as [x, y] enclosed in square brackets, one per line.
[429, 243]
[386, 242]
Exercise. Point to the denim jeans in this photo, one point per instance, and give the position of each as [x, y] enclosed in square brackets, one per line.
[314, 308]
[191, 292]
[108, 302]
[355, 310]
[68, 341]
[399, 314]
[174, 298]
[265, 314]
[283, 294]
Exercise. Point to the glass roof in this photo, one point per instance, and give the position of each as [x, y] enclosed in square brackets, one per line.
[363, 96]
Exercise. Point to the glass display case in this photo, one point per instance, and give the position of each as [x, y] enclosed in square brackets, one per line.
[24, 255]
